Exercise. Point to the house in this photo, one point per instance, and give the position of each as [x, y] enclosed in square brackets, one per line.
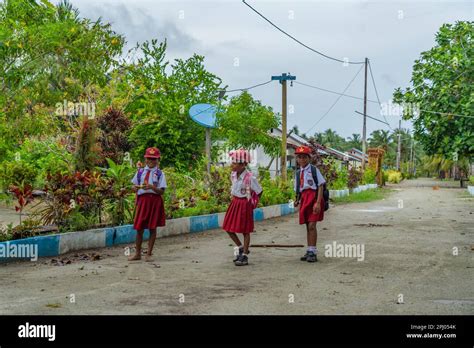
[358, 154]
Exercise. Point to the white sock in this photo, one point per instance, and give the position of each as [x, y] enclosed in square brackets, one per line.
[312, 249]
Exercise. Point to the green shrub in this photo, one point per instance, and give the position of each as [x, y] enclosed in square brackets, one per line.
[17, 173]
[394, 176]
[340, 182]
[369, 176]
[471, 180]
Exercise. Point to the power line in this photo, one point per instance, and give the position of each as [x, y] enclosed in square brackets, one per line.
[298, 41]
[377, 94]
[335, 102]
[334, 92]
[447, 113]
[247, 88]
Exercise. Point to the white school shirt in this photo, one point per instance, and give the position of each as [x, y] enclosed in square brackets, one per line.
[160, 183]
[308, 178]
[238, 186]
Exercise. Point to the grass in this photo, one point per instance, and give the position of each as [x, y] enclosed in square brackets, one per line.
[364, 196]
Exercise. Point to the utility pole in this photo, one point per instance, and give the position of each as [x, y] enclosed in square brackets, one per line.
[283, 78]
[399, 145]
[364, 130]
[410, 168]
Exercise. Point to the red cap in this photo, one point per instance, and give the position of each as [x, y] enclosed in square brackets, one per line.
[303, 150]
[152, 152]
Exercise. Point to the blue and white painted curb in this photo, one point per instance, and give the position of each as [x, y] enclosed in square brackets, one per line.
[346, 192]
[470, 189]
[58, 244]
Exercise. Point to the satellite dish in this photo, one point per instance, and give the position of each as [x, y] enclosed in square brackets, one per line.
[204, 114]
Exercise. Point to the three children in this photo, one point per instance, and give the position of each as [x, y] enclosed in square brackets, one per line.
[150, 183]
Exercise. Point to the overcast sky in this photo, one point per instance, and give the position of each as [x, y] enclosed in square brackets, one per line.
[244, 50]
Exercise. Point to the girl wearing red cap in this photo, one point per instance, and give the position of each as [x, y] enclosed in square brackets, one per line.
[149, 184]
[309, 196]
[246, 192]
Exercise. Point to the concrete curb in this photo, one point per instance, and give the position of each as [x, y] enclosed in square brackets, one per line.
[58, 244]
[346, 192]
[470, 189]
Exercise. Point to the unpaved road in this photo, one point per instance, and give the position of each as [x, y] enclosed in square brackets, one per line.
[413, 257]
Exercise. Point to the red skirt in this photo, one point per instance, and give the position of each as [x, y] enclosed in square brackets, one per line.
[308, 198]
[149, 212]
[239, 216]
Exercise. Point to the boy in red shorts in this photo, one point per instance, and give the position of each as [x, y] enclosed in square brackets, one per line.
[309, 196]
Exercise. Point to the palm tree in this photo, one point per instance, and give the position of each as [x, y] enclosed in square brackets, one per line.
[354, 142]
[380, 138]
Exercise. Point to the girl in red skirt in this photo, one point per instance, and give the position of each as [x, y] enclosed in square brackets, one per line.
[309, 198]
[246, 192]
[149, 184]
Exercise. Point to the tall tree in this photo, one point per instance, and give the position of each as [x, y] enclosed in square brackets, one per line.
[245, 122]
[48, 54]
[443, 92]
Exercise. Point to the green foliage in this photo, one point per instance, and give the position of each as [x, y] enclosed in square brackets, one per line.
[37, 157]
[394, 176]
[354, 178]
[275, 191]
[159, 104]
[369, 176]
[86, 153]
[17, 173]
[341, 181]
[443, 82]
[364, 196]
[120, 204]
[6, 232]
[245, 123]
[47, 57]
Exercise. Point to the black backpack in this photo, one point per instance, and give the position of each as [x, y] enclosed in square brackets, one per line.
[315, 178]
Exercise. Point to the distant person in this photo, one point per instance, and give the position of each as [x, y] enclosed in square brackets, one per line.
[309, 197]
[246, 191]
[149, 184]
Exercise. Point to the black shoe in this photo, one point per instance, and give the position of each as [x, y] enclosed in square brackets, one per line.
[305, 257]
[242, 261]
[311, 257]
[241, 251]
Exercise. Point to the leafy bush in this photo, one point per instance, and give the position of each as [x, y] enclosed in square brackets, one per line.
[471, 180]
[340, 182]
[6, 232]
[369, 176]
[354, 178]
[394, 176]
[17, 173]
[120, 204]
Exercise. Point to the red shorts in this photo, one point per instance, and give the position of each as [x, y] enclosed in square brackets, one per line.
[149, 212]
[307, 201]
[239, 216]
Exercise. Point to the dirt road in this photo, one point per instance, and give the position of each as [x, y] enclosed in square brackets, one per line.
[408, 242]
